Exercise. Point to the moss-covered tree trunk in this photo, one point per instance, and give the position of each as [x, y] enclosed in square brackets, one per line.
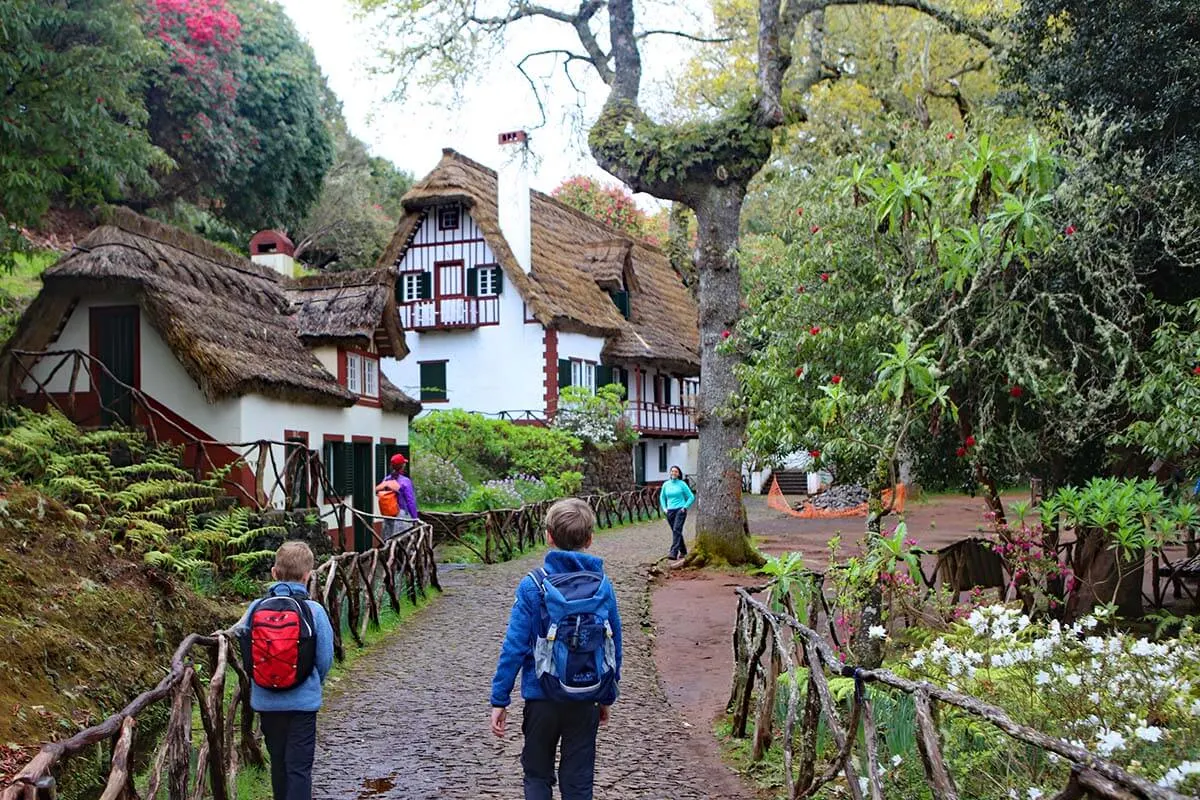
[721, 529]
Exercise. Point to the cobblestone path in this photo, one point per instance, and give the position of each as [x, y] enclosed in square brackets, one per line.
[410, 720]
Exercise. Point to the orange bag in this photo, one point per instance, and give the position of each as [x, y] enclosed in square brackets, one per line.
[389, 502]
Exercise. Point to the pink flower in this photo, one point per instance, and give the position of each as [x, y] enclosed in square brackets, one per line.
[825, 277]
[799, 212]
[950, 136]
[1069, 230]
[815, 229]
[725, 334]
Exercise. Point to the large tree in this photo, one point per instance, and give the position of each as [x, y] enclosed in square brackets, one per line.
[706, 162]
[70, 118]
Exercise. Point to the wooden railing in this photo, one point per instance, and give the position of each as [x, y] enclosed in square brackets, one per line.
[450, 312]
[768, 644]
[510, 531]
[361, 583]
[655, 418]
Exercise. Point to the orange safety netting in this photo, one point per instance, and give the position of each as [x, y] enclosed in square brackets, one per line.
[777, 501]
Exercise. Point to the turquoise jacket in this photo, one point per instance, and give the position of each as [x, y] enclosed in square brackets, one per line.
[675, 494]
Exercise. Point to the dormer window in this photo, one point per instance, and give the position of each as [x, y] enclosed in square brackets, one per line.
[362, 374]
[448, 218]
[620, 298]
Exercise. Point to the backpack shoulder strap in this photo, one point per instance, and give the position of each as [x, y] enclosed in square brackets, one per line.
[539, 578]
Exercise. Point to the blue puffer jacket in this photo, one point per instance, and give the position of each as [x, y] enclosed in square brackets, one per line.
[526, 624]
[306, 696]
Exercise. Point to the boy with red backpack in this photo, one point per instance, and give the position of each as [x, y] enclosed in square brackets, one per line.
[564, 637]
[287, 647]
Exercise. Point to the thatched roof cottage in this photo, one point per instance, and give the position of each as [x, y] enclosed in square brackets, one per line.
[507, 295]
[200, 344]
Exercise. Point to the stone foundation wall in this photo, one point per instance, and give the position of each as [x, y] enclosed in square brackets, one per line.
[609, 470]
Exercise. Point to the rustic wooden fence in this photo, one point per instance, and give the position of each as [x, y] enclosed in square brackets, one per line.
[507, 532]
[205, 762]
[768, 644]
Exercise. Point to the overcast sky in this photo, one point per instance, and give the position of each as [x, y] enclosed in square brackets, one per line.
[413, 134]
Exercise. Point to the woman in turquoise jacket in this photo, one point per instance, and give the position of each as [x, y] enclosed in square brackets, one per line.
[675, 499]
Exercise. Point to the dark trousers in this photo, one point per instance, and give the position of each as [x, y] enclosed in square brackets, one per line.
[675, 518]
[545, 725]
[291, 738]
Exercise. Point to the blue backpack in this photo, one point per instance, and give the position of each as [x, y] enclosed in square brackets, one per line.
[576, 659]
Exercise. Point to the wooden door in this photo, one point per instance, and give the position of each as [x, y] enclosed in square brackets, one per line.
[115, 344]
[363, 495]
[639, 464]
[450, 289]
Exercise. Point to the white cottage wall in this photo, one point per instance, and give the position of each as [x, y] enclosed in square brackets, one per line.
[268, 418]
[163, 378]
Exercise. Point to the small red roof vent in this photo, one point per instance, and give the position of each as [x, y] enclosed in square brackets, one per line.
[514, 137]
[266, 243]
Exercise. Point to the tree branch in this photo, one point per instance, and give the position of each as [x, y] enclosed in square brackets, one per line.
[689, 36]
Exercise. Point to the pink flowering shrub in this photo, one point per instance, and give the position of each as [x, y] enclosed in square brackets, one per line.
[612, 205]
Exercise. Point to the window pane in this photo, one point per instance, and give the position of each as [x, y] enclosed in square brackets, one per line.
[371, 377]
[353, 373]
[589, 377]
[412, 286]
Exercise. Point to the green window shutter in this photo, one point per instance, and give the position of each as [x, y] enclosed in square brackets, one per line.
[564, 373]
[345, 470]
[433, 381]
[498, 279]
[662, 458]
[667, 381]
[381, 462]
[620, 299]
[425, 286]
[473, 282]
[604, 375]
[327, 460]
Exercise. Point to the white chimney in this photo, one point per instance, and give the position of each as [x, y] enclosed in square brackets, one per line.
[512, 199]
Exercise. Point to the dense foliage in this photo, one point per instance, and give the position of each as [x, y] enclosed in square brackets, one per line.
[72, 123]
[598, 418]
[488, 449]
[612, 205]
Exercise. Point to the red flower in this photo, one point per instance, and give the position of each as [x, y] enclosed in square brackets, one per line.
[960, 452]
[970, 441]
[1015, 391]
[814, 330]
[100, 100]
[1196, 370]
[800, 289]
[815, 229]
[799, 212]
[799, 372]
[1069, 230]
[725, 334]
[825, 277]
[187, 137]
[815, 453]
[950, 136]
[835, 380]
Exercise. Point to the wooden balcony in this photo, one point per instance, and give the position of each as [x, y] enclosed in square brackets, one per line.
[653, 419]
[449, 312]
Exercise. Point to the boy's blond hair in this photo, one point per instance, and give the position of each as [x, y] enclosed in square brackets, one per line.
[570, 522]
[293, 562]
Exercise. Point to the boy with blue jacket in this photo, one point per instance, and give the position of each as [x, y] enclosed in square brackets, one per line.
[547, 722]
[289, 717]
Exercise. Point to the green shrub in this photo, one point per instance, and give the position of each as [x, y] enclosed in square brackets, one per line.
[438, 481]
[485, 449]
[493, 495]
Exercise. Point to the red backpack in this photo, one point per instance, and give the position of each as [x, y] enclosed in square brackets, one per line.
[279, 647]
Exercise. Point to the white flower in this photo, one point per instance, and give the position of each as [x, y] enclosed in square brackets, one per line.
[862, 785]
[1074, 679]
[1177, 775]
[1094, 697]
[1109, 742]
[1033, 792]
[897, 760]
[1153, 733]
[877, 632]
[1042, 678]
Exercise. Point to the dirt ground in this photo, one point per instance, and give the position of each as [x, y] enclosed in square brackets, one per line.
[693, 611]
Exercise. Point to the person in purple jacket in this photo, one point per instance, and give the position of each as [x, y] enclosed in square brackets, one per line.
[397, 498]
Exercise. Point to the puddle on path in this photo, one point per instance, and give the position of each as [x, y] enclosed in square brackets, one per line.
[376, 786]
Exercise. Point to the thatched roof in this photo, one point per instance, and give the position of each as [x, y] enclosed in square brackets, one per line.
[350, 309]
[392, 399]
[575, 259]
[228, 320]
